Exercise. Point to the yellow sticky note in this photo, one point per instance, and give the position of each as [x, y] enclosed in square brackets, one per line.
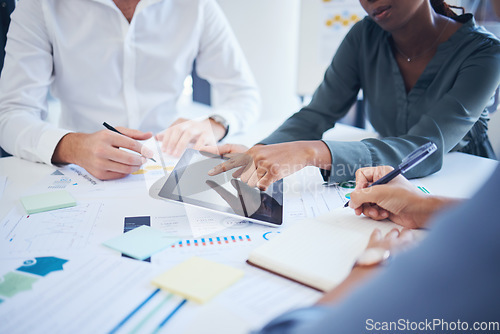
[198, 279]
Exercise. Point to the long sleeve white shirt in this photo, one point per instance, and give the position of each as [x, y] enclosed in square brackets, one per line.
[103, 68]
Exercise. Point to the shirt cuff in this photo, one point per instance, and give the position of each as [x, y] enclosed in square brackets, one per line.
[231, 119]
[347, 158]
[48, 142]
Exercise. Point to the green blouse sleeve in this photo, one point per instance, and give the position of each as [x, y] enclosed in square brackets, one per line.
[450, 118]
[454, 104]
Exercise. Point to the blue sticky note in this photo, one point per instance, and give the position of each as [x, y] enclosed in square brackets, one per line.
[48, 201]
[141, 242]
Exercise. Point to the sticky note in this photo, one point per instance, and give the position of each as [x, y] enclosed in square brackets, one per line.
[13, 283]
[48, 201]
[198, 279]
[141, 242]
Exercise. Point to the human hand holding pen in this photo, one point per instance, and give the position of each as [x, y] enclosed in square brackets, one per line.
[109, 127]
[410, 161]
[399, 200]
[99, 152]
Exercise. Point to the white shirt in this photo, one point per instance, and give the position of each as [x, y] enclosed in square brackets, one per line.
[103, 68]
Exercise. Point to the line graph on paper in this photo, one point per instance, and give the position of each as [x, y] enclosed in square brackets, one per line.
[62, 229]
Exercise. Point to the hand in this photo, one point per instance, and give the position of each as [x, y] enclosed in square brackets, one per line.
[399, 200]
[263, 165]
[99, 152]
[227, 150]
[392, 241]
[182, 132]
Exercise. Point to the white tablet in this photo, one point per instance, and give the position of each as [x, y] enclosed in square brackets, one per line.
[190, 183]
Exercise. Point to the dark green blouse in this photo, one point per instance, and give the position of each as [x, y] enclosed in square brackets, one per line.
[446, 105]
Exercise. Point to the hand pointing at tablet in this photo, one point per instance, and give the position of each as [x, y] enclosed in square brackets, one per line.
[262, 165]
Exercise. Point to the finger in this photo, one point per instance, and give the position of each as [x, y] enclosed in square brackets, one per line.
[392, 234]
[363, 177]
[172, 134]
[381, 171]
[210, 149]
[179, 121]
[259, 173]
[254, 179]
[170, 139]
[374, 194]
[373, 211]
[376, 236]
[107, 175]
[382, 213]
[407, 235]
[227, 150]
[248, 172]
[182, 143]
[111, 151]
[118, 140]
[105, 168]
[228, 165]
[224, 149]
[367, 175]
[122, 157]
[266, 181]
[370, 210]
[147, 152]
[238, 173]
[135, 134]
[358, 211]
[201, 141]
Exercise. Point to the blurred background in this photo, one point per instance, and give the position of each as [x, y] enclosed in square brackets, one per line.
[289, 44]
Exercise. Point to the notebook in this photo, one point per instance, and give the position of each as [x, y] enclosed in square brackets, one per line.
[318, 252]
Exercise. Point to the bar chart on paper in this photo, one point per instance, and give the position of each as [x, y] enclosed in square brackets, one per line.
[213, 241]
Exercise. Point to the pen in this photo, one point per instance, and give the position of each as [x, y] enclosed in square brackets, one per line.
[109, 127]
[413, 159]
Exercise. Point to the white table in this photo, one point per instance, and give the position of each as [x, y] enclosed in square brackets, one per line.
[455, 179]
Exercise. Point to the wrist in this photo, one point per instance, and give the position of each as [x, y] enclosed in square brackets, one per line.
[317, 154]
[219, 125]
[429, 205]
[65, 150]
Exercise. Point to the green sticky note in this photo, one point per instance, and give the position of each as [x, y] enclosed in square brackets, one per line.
[12, 283]
[48, 201]
[141, 242]
[198, 279]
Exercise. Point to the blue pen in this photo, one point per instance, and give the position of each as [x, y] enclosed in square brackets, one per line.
[415, 157]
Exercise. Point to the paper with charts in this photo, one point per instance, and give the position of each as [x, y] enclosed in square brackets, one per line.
[75, 295]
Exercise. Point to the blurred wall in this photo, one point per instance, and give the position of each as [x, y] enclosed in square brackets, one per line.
[267, 31]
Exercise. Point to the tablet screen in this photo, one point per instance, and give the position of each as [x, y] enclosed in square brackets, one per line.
[190, 183]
